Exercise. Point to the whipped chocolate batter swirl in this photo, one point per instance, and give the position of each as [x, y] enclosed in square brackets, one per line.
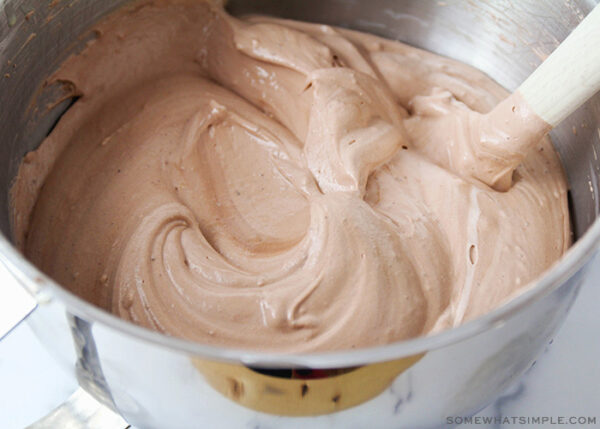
[279, 185]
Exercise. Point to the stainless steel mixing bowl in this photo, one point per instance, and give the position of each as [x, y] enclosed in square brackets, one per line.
[156, 381]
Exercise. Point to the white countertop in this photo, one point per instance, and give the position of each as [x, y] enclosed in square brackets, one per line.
[565, 382]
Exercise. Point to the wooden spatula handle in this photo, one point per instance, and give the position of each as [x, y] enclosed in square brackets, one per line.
[569, 76]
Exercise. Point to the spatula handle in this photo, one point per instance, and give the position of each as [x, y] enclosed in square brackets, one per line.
[569, 76]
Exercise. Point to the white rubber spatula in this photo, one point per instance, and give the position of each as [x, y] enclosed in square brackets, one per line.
[562, 83]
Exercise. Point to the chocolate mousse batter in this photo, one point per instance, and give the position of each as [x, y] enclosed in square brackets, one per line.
[280, 185]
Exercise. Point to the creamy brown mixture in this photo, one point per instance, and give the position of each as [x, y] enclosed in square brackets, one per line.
[285, 186]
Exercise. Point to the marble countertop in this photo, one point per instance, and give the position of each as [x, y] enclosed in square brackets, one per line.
[564, 382]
